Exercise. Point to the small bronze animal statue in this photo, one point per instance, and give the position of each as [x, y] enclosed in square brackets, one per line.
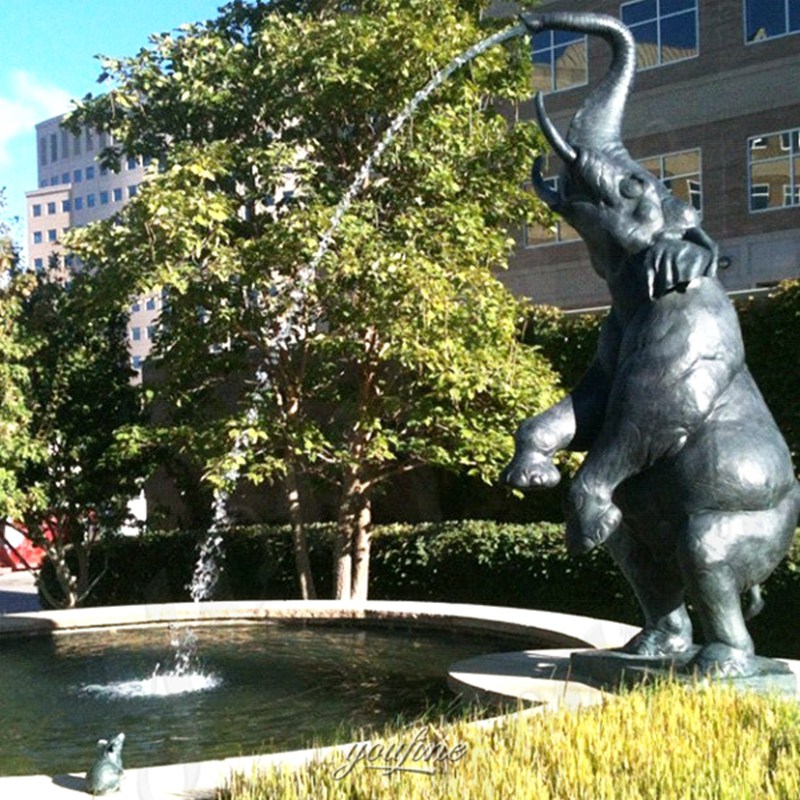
[687, 479]
[105, 775]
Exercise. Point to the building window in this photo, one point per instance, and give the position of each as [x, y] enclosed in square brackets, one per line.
[66, 205]
[536, 235]
[90, 173]
[38, 264]
[150, 304]
[64, 143]
[89, 140]
[52, 235]
[36, 209]
[117, 195]
[132, 162]
[136, 334]
[78, 203]
[135, 307]
[559, 60]
[42, 183]
[681, 174]
[89, 201]
[132, 191]
[151, 332]
[53, 147]
[37, 237]
[54, 181]
[77, 176]
[103, 198]
[136, 362]
[43, 150]
[766, 19]
[51, 208]
[76, 144]
[774, 170]
[665, 30]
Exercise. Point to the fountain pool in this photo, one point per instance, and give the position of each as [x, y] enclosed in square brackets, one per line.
[260, 687]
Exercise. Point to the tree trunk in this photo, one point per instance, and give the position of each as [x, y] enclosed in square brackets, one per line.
[351, 567]
[361, 547]
[343, 555]
[299, 543]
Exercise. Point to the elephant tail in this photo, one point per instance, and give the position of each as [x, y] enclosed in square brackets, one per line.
[755, 602]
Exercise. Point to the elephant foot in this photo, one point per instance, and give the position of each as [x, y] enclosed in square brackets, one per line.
[531, 471]
[590, 522]
[718, 660]
[658, 642]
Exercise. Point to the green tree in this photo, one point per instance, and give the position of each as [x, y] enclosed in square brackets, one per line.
[401, 348]
[65, 473]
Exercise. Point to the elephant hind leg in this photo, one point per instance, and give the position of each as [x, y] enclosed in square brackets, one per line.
[722, 555]
[660, 591]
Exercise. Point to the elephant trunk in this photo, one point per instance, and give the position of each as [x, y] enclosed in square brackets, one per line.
[598, 123]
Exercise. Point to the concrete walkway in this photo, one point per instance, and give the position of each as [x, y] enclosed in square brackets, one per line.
[18, 592]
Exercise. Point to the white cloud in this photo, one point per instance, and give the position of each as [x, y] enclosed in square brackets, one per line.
[25, 103]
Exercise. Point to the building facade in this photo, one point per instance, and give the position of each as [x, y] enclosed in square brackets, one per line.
[715, 112]
[75, 190]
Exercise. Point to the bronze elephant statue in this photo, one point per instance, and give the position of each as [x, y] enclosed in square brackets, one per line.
[687, 479]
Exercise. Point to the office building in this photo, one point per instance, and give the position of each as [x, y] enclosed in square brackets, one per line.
[715, 112]
[75, 190]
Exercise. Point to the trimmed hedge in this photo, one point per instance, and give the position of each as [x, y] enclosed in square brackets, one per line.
[463, 562]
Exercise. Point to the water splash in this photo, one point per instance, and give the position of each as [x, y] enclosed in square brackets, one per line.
[183, 676]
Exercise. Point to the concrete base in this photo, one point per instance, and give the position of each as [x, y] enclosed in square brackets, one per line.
[611, 669]
[574, 678]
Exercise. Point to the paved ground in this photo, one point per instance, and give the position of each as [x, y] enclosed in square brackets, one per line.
[17, 592]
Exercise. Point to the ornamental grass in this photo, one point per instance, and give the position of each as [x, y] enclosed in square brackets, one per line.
[670, 741]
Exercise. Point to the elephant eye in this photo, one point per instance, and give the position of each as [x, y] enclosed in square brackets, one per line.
[631, 188]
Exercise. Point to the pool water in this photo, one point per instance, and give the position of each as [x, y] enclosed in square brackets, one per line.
[268, 687]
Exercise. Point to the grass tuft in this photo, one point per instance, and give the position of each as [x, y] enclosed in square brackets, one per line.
[670, 741]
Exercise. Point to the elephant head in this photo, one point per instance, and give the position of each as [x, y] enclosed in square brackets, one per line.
[617, 206]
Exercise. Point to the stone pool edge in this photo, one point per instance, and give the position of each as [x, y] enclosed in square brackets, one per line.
[202, 779]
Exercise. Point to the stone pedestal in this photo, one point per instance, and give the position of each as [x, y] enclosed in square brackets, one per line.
[612, 669]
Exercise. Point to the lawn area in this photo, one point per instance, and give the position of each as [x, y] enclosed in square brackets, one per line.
[667, 742]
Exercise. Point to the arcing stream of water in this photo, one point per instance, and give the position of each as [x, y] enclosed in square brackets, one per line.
[185, 674]
[287, 327]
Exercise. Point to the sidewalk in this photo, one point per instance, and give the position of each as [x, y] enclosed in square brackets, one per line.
[17, 592]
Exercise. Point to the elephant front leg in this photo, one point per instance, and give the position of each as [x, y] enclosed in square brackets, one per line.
[536, 442]
[592, 515]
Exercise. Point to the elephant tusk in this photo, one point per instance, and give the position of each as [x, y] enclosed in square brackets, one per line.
[562, 147]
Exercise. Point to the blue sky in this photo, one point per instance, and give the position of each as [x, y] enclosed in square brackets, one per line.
[49, 49]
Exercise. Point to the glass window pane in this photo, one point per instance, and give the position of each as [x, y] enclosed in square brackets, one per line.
[768, 179]
[652, 165]
[646, 36]
[794, 15]
[639, 11]
[570, 65]
[672, 6]
[536, 235]
[566, 233]
[764, 147]
[685, 163]
[764, 18]
[678, 37]
[566, 37]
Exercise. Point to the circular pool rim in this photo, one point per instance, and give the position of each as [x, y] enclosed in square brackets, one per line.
[200, 779]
